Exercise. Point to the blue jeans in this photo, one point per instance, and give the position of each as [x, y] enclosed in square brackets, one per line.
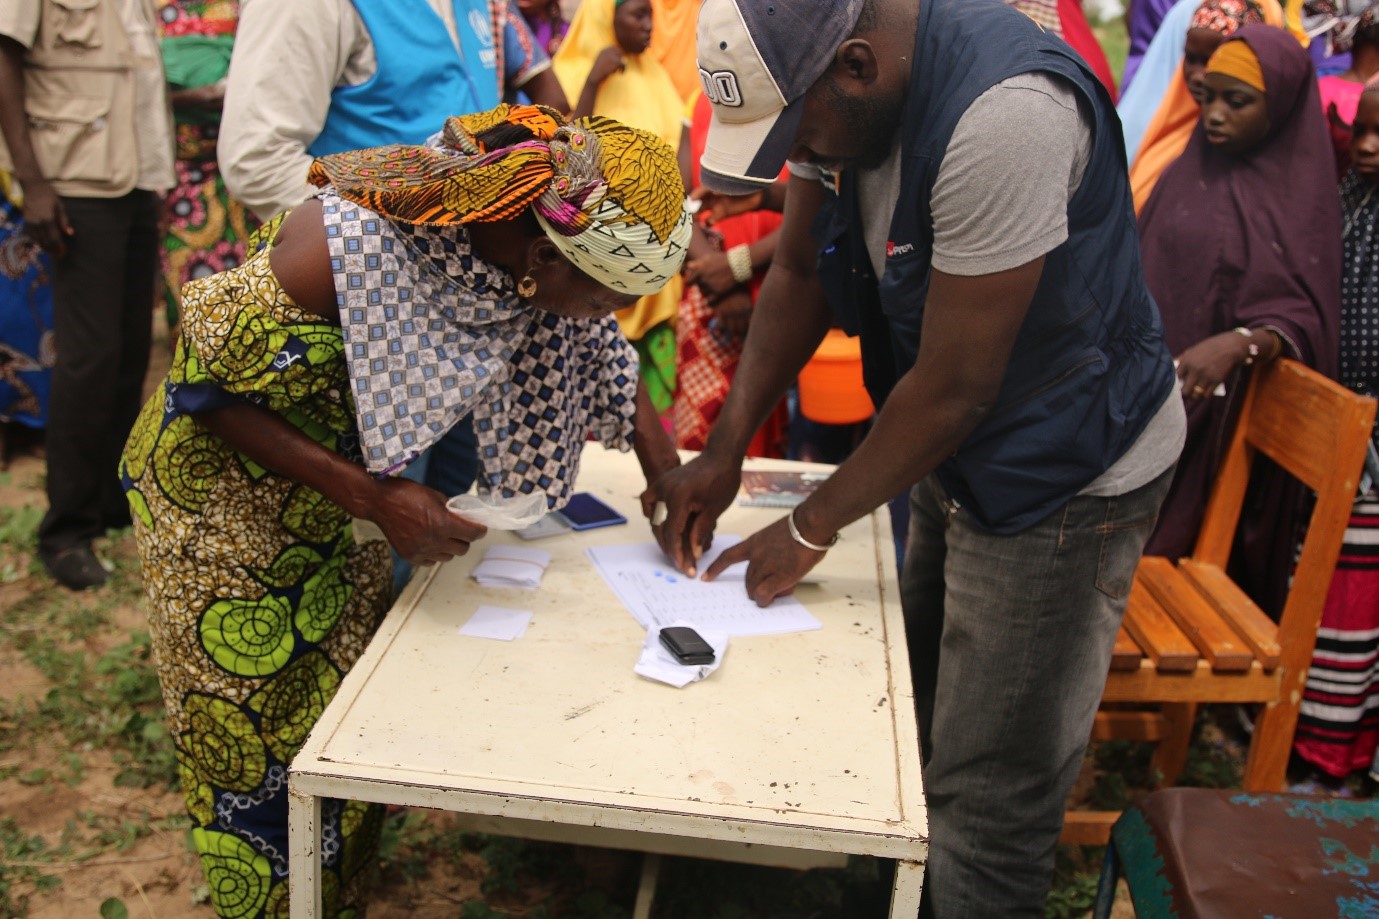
[1010, 641]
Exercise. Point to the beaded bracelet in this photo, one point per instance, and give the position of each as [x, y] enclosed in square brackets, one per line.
[740, 263]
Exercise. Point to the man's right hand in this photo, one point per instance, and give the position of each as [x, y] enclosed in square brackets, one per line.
[45, 220]
[695, 496]
[418, 525]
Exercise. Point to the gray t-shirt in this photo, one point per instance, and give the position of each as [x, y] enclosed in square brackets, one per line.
[1000, 201]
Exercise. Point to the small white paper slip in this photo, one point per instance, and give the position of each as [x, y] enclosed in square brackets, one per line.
[511, 566]
[656, 663]
[497, 623]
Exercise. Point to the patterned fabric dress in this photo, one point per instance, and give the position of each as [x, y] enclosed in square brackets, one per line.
[207, 230]
[259, 598]
[26, 318]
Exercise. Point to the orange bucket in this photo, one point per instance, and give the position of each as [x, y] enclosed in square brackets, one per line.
[831, 390]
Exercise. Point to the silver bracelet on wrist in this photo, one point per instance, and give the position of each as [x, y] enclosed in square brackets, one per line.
[795, 535]
[740, 263]
[1252, 349]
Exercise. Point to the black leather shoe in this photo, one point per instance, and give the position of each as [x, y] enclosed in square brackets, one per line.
[76, 568]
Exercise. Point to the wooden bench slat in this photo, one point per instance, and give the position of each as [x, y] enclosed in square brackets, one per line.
[1198, 619]
[1126, 654]
[1255, 629]
[1156, 632]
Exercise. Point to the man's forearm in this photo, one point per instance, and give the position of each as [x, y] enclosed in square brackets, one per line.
[970, 326]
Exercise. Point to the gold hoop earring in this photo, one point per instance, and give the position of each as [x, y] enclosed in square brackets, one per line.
[526, 288]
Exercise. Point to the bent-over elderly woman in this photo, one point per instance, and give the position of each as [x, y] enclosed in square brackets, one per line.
[475, 274]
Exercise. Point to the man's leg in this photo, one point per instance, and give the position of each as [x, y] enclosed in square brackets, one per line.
[136, 337]
[1028, 623]
[87, 286]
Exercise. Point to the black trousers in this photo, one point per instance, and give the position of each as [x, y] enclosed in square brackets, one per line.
[103, 292]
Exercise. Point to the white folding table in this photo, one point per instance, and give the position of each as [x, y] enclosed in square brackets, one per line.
[799, 750]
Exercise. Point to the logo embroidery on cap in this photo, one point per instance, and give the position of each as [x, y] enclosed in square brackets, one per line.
[721, 87]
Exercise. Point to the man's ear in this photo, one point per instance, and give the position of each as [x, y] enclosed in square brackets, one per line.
[856, 60]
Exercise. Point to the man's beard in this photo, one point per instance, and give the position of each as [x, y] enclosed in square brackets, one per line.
[873, 119]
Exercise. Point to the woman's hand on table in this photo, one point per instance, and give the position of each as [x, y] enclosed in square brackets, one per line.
[417, 523]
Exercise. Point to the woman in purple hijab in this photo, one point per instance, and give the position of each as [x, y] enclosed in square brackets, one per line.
[1243, 257]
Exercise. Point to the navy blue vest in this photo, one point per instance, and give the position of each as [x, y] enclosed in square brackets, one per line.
[420, 79]
[1089, 368]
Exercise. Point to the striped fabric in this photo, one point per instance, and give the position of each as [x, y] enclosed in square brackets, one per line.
[1338, 729]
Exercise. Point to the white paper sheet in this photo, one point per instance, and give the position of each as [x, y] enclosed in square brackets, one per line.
[497, 623]
[511, 566]
[657, 595]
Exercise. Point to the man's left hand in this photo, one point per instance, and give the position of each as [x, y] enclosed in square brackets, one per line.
[775, 563]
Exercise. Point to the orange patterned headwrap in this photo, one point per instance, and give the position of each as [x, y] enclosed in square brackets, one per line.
[1237, 59]
[607, 195]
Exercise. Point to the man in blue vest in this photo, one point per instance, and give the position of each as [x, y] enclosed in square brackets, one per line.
[314, 77]
[959, 199]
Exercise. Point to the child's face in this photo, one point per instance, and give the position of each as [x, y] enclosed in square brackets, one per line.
[1364, 138]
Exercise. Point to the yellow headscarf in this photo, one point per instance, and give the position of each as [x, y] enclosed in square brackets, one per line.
[641, 95]
[1237, 59]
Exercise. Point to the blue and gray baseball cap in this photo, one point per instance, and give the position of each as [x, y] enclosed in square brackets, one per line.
[756, 60]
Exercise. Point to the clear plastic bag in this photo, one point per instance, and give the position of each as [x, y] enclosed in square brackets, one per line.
[499, 513]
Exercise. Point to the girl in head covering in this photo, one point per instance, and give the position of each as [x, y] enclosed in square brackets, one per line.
[474, 275]
[1338, 725]
[1243, 257]
[606, 69]
[1179, 110]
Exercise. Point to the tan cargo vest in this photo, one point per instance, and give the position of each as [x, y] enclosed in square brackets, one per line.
[79, 98]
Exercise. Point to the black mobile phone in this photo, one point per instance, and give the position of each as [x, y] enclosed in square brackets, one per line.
[585, 512]
[686, 645]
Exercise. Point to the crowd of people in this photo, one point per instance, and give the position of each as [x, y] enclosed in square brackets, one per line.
[409, 248]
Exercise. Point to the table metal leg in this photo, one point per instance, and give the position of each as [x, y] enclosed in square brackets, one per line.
[909, 884]
[304, 857]
[646, 889]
